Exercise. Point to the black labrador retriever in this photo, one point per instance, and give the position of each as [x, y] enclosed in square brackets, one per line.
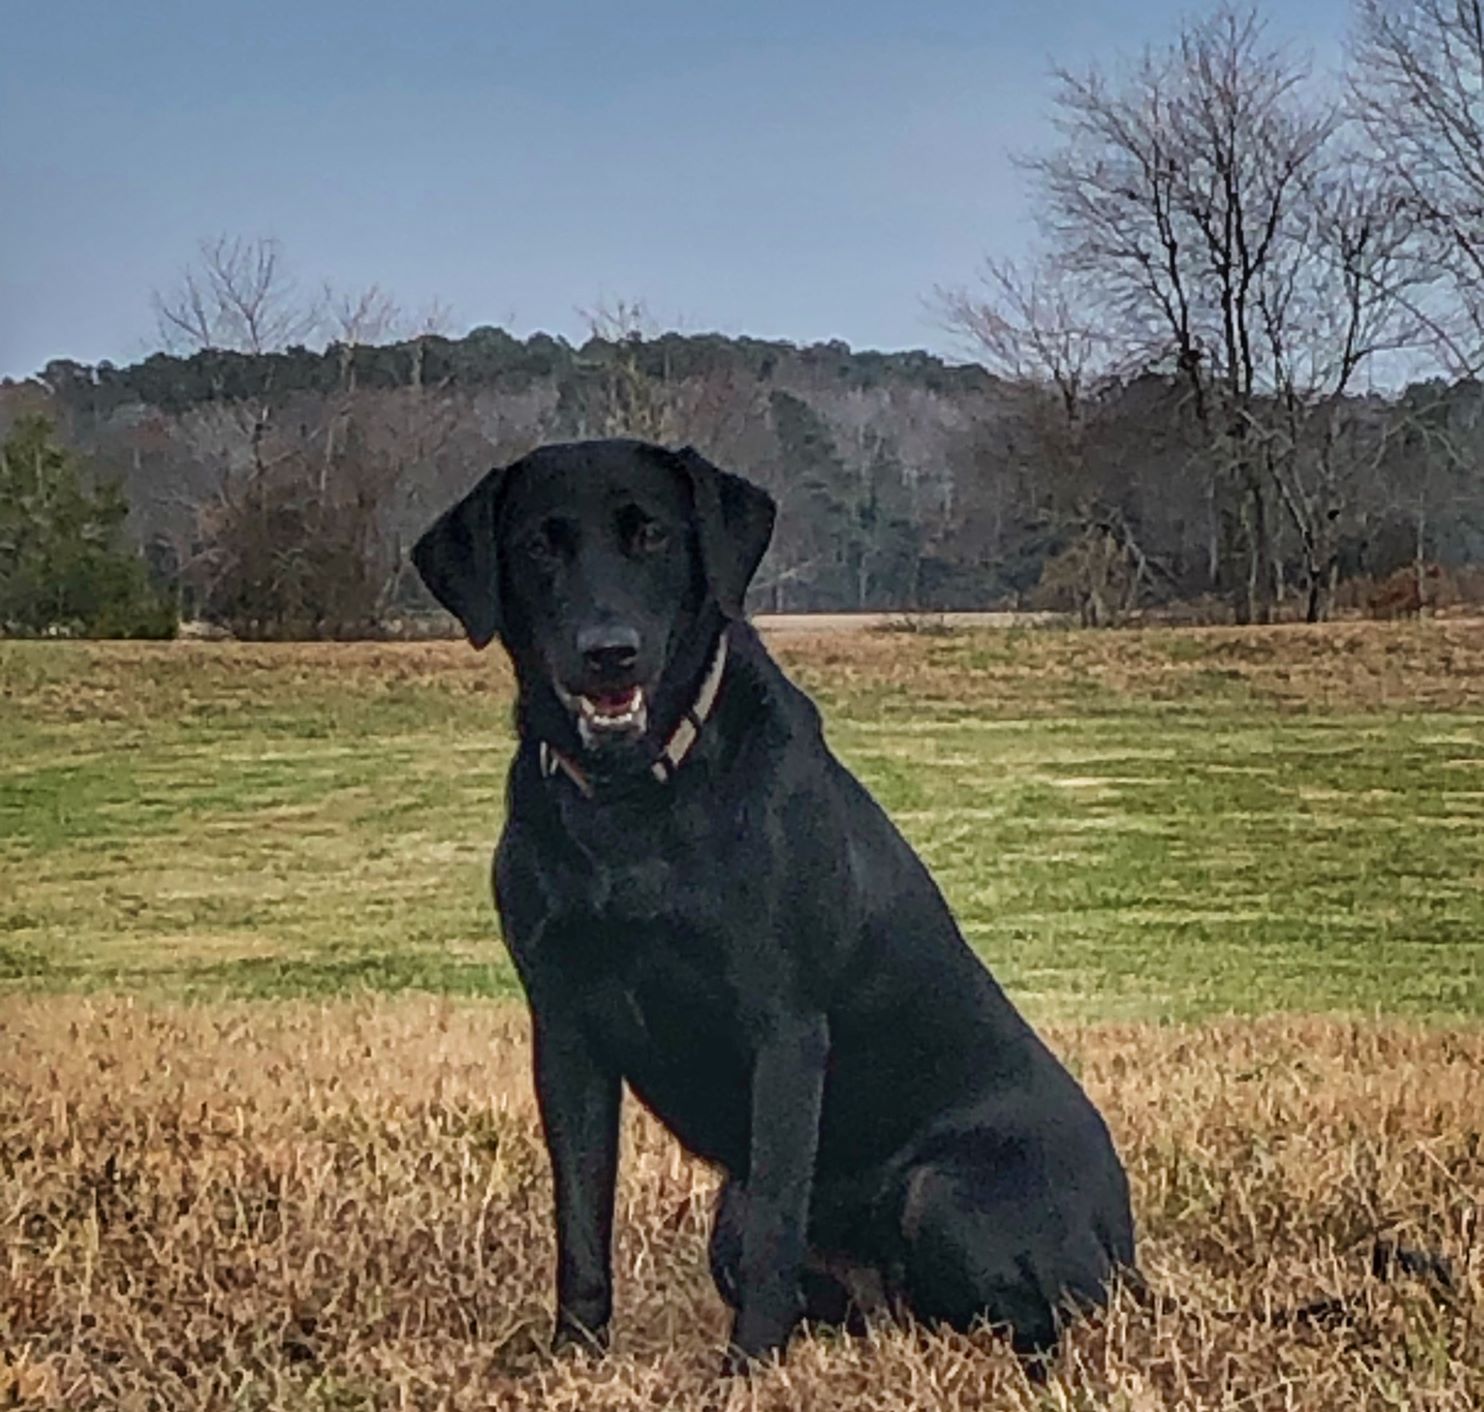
[703, 902]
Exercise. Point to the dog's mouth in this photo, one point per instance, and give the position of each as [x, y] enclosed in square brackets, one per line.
[608, 715]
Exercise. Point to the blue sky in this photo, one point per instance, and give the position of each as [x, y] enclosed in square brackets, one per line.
[791, 170]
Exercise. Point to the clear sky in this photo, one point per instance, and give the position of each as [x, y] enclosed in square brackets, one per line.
[800, 169]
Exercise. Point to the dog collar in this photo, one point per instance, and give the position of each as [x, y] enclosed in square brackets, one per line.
[682, 740]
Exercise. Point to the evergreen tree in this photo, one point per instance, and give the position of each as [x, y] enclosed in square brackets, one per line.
[63, 564]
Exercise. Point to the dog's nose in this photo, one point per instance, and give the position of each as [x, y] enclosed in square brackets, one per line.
[609, 651]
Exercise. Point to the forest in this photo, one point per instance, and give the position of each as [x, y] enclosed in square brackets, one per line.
[1236, 379]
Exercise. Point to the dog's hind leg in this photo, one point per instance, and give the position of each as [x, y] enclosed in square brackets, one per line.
[995, 1244]
[724, 1250]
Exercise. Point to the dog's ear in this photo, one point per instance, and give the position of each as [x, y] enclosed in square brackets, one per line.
[734, 522]
[457, 558]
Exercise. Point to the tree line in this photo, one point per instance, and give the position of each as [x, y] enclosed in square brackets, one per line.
[1238, 374]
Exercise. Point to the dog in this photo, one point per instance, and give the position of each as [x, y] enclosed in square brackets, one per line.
[703, 903]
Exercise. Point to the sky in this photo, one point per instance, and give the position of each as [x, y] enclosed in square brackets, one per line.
[797, 169]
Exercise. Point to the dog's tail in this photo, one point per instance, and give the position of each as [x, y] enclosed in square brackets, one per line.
[1390, 1261]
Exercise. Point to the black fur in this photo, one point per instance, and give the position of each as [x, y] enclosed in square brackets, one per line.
[752, 946]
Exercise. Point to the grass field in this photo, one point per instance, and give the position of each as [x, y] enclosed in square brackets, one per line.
[1239, 874]
[1156, 826]
[1161, 825]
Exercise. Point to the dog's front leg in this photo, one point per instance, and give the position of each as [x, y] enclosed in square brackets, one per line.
[579, 1102]
[787, 1092]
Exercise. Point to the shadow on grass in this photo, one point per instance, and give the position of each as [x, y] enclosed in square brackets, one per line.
[19, 962]
[277, 977]
[268, 977]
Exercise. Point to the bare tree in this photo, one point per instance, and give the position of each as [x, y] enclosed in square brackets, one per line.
[1174, 193]
[371, 445]
[1424, 450]
[238, 297]
[1340, 299]
[357, 317]
[895, 445]
[1035, 327]
[294, 537]
[637, 392]
[1417, 86]
[629, 399]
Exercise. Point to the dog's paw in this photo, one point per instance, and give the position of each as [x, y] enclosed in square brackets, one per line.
[571, 1337]
[746, 1355]
[738, 1363]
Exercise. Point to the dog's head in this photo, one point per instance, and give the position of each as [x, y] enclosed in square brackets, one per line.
[605, 568]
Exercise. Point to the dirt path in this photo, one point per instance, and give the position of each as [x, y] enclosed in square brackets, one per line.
[859, 622]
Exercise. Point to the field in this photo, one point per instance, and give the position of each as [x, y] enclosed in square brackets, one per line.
[266, 1136]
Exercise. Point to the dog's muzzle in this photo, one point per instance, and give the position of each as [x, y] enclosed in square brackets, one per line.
[607, 715]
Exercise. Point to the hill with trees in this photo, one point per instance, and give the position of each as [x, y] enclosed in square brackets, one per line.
[1239, 371]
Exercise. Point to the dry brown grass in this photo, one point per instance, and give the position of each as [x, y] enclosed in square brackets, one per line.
[1437, 664]
[338, 1206]
[1350, 666]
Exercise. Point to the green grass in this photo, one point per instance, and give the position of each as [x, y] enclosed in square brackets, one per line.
[1151, 825]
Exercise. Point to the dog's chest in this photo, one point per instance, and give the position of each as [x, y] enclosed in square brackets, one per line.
[667, 1022]
[660, 992]
[640, 871]
[648, 918]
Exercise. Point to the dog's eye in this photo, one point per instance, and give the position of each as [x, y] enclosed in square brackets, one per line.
[650, 536]
[551, 540]
[540, 547]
